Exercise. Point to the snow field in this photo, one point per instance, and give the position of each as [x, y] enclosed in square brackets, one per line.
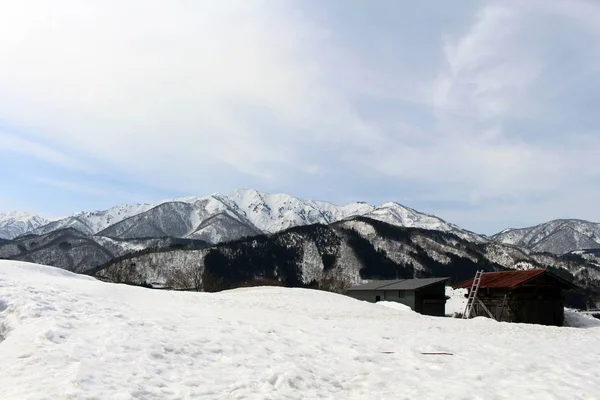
[70, 337]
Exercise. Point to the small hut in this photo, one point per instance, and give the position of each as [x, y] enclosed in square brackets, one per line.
[425, 296]
[532, 296]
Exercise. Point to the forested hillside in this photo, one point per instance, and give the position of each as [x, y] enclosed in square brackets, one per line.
[333, 258]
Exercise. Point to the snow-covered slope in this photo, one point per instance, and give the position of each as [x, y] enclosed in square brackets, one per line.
[74, 251]
[395, 214]
[16, 223]
[212, 218]
[219, 217]
[399, 215]
[275, 212]
[245, 212]
[92, 222]
[558, 236]
[67, 336]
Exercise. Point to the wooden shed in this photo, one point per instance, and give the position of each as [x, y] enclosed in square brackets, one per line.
[426, 296]
[531, 296]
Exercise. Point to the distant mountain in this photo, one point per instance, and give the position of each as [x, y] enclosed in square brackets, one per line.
[275, 212]
[396, 214]
[17, 223]
[207, 218]
[559, 236]
[335, 256]
[90, 223]
[87, 239]
[244, 213]
[218, 218]
[590, 255]
[74, 251]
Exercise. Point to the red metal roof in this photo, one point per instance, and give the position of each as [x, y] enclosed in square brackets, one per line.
[504, 279]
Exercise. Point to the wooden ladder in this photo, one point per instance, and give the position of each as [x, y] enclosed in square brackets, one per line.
[472, 295]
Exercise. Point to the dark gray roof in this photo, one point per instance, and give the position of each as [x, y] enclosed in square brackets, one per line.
[373, 285]
[398, 284]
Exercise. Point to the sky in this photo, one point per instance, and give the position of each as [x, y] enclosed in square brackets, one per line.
[484, 113]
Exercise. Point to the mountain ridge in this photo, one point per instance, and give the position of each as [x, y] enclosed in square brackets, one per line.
[558, 236]
[17, 223]
[74, 251]
[244, 212]
[247, 212]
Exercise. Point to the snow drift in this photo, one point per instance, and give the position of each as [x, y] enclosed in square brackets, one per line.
[65, 336]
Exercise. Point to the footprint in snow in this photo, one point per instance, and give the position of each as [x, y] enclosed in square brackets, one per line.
[3, 306]
[4, 329]
[54, 336]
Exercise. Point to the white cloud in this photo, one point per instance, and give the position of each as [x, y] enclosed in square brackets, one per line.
[149, 86]
[72, 186]
[20, 145]
[491, 77]
[489, 67]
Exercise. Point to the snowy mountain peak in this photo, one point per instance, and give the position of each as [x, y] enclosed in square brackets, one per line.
[247, 194]
[243, 212]
[274, 212]
[18, 216]
[398, 214]
[120, 211]
[558, 236]
[92, 222]
[15, 223]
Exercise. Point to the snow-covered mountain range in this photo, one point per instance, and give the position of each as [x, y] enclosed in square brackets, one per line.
[559, 236]
[220, 218]
[217, 218]
[16, 223]
[311, 241]
[90, 223]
